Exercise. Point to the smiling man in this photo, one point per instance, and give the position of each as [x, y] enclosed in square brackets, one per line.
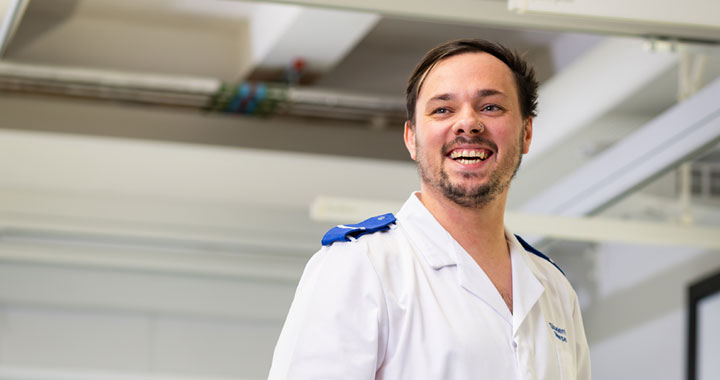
[443, 290]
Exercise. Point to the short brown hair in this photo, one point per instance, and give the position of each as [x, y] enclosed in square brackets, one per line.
[524, 74]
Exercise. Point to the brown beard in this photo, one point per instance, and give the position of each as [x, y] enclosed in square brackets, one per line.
[480, 196]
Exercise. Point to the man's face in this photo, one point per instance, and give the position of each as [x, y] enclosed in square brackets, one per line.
[469, 133]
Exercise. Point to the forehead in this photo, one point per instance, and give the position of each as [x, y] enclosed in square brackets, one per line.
[468, 72]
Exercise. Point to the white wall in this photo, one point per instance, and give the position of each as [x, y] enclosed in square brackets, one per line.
[636, 323]
[123, 258]
[58, 318]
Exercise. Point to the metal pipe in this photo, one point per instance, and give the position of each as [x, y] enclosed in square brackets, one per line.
[208, 94]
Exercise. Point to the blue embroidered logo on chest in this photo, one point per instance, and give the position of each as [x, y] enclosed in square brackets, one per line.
[345, 232]
[559, 333]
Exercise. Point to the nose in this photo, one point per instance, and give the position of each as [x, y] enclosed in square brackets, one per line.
[468, 122]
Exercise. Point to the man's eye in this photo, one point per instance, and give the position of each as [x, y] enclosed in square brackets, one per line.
[440, 110]
[491, 107]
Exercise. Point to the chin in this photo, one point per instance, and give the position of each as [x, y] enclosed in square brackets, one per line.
[470, 185]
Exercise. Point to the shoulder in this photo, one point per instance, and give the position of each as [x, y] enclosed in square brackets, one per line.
[347, 261]
[373, 241]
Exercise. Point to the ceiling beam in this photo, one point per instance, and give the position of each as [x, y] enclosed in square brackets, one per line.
[600, 229]
[497, 13]
[687, 12]
[679, 134]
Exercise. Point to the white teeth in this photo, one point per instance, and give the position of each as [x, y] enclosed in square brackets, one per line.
[481, 154]
[465, 161]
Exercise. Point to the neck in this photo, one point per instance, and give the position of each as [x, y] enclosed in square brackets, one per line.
[480, 231]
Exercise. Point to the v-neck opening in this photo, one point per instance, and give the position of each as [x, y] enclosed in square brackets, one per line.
[474, 279]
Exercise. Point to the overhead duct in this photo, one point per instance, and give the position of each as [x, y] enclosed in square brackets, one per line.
[677, 135]
[208, 94]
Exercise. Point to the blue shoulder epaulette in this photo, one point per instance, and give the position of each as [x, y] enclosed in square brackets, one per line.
[343, 232]
[532, 249]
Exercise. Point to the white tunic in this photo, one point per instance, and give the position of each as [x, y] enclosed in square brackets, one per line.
[410, 303]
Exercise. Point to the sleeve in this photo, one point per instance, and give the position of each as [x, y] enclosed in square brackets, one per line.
[336, 326]
[582, 350]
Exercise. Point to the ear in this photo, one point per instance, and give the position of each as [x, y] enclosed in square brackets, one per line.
[528, 127]
[409, 136]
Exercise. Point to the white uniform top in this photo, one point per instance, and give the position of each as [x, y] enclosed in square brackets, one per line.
[410, 303]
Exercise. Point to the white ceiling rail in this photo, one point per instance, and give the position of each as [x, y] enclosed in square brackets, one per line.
[615, 230]
[680, 133]
[497, 13]
[591, 86]
[688, 12]
[11, 12]
[343, 210]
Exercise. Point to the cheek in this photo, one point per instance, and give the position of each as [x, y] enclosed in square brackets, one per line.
[432, 140]
[429, 142]
[510, 144]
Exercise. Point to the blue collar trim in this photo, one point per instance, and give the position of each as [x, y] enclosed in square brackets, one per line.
[532, 249]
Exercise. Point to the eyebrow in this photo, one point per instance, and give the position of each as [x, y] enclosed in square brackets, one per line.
[480, 94]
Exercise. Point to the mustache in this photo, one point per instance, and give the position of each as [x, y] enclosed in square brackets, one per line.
[475, 140]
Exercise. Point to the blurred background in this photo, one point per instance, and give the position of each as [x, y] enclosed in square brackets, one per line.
[167, 167]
